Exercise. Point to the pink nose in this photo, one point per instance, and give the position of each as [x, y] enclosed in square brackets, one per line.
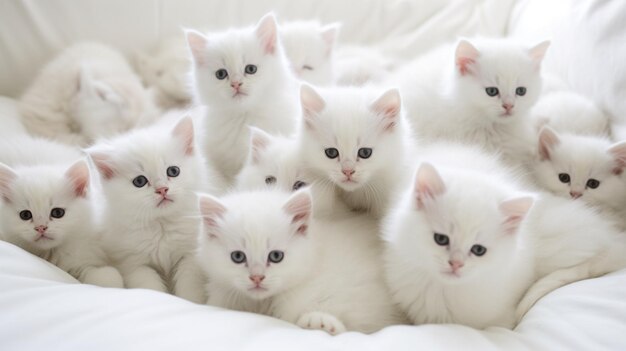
[257, 279]
[348, 172]
[41, 229]
[575, 194]
[455, 265]
[236, 85]
[162, 190]
[508, 107]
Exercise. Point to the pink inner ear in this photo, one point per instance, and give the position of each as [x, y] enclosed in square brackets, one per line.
[515, 211]
[7, 176]
[197, 43]
[548, 139]
[259, 141]
[428, 185]
[212, 210]
[465, 56]
[312, 104]
[79, 176]
[329, 35]
[299, 206]
[618, 152]
[103, 163]
[267, 32]
[184, 131]
[388, 106]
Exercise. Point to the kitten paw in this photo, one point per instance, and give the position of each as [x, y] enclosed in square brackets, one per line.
[106, 276]
[321, 321]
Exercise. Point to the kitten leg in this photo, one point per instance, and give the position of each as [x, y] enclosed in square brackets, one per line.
[106, 276]
[321, 321]
[189, 281]
[143, 277]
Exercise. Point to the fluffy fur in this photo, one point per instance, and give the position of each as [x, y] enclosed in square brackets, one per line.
[316, 284]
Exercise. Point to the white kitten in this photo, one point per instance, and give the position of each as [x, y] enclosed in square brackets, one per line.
[309, 48]
[357, 140]
[48, 208]
[150, 178]
[264, 253]
[242, 75]
[361, 65]
[585, 167]
[87, 91]
[482, 94]
[455, 253]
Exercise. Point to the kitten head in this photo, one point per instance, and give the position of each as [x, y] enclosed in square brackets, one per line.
[44, 205]
[150, 172]
[497, 77]
[351, 135]
[456, 229]
[238, 68]
[272, 162]
[583, 167]
[309, 48]
[257, 243]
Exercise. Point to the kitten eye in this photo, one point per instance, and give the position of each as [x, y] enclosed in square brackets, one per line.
[276, 256]
[270, 180]
[26, 215]
[250, 69]
[564, 177]
[365, 152]
[173, 171]
[57, 212]
[331, 153]
[298, 184]
[478, 250]
[140, 181]
[221, 74]
[521, 91]
[307, 67]
[238, 257]
[492, 91]
[593, 183]
[441, 239]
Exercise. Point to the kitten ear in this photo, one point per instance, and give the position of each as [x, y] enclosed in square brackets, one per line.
[7, 176]
[212, 211]
[428, 184]
[465, 56]
[300, 207]
[329, 35]
[618, 151]
[312, 104]
[103, 163]
[267, 32]
[259, 141]
[514, 211]
[388, 106]
[538, 51]
[197, 44]
[184, 131]
[548, 139]
[78, 175]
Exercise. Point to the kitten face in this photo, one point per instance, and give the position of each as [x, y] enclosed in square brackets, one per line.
[349, 136]
[457, 232]
[257, 243]
[236, 68]
[150, 172]
[499, 78]
[581, 167]
[44, 205]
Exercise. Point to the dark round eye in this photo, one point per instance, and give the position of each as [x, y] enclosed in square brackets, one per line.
[365, 152]
[238, 257]
[250, 69]
[307, 67]
[276, 256]
[521, 91]
[26, 215]
[221, 74]
[298, 184]
[593, 183]
[442, 239]
[270, 180]
[331, 152]
[564, 177]
[57, 212]
[492, 91]
[478, 250]
[140, 181]
[173, 171]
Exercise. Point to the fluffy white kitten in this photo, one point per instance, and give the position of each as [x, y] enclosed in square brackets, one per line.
[478, 92]
[263, 253]
[309, 48]
[359, 141]
[89, 90]
[455, 252]
[48, 208]
[586, 167]
[150, 178]
[361, 65]
[242, 75]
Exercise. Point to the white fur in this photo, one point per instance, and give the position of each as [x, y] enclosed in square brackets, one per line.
[319, 284]
[268, 98]
[361, 65]
[89, 90]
